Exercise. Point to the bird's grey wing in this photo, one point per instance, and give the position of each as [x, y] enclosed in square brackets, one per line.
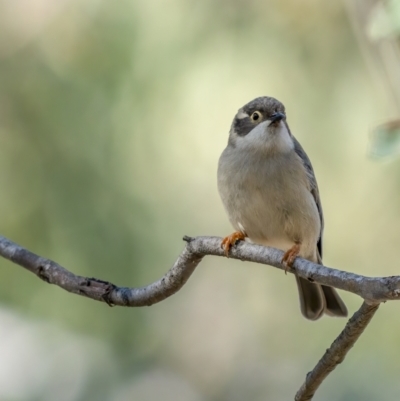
[334, 306]
[313, 185]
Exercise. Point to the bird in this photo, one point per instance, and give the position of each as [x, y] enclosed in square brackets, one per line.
[269, 190]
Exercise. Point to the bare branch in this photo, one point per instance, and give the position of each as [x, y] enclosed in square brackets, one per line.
[374, 290]
[336, 353]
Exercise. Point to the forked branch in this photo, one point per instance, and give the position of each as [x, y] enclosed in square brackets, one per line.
[373, 290]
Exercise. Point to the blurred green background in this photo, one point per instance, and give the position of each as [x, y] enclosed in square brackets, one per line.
[112, 119]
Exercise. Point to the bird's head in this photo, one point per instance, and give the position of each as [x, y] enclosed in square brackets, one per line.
[261, 125]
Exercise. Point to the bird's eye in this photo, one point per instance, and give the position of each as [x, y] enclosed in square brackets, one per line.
[256, 116]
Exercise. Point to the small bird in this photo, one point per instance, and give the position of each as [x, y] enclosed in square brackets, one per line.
[269, 190]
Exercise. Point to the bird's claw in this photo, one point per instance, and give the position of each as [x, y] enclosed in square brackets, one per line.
[231, 240]
[290, 255]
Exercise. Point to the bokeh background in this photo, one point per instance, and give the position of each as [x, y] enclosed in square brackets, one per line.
[112, 119]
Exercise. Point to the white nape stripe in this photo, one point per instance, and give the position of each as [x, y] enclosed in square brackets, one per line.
[241, 115]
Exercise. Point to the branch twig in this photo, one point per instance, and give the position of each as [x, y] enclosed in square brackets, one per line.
[373, 290]
[336, 353]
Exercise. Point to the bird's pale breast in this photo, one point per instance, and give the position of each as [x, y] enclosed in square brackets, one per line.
[270, 200]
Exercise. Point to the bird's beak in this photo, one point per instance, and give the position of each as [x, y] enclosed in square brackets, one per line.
[277, 117]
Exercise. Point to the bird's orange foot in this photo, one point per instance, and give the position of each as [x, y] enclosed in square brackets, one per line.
[231, 240]
[290, 255]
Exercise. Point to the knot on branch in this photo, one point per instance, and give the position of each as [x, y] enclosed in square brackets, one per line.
[42, 274]
[104, 287]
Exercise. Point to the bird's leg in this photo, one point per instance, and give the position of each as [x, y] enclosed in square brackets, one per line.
[231, 240]
[290, 255]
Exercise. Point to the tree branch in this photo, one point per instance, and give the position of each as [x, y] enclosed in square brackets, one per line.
[336, 353]
[373, 290]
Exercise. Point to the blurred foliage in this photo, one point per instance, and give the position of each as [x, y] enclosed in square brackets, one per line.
[385, 20]
[112, 119]
[378, 24]
[386, 140]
